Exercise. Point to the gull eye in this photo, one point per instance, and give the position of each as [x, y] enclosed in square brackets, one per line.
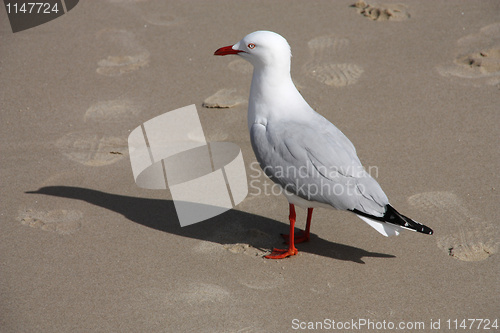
[251, 46]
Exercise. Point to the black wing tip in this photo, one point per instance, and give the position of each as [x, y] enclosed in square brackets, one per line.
[423, 229]
[393, 216]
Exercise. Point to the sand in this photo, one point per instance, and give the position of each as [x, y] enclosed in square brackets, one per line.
[413, 84]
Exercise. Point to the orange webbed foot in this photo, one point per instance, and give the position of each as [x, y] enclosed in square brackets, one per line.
[280, 254]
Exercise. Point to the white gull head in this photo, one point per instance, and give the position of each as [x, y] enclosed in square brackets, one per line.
[261, 49]
[272, 93]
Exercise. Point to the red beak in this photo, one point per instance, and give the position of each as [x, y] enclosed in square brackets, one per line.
[226, 50]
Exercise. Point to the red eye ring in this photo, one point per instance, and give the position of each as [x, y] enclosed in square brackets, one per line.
[251, 46]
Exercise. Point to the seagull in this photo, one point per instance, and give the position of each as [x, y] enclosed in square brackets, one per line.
[312, 161]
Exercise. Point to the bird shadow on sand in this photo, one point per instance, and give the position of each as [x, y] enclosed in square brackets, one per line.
[231, 227]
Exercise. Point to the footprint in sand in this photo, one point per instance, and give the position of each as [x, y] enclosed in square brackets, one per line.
[224, 98]
[253, 235]
[228, 98]
[152, 12]
[61, 221]
[383, 12]
[93, 149]
[112, 111]
[161, 18]
[158, 13]
[324, 50]
[127, 55]
[459, 234]
[256, 242]
[478, 57]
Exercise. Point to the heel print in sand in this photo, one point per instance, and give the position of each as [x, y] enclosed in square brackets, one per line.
[257, 243]
[127, 55]
[383, 12]
[60, 221]
[478, 58]
[324, 51]
[92, 149]
[151, 12]
[224, 98]
[228, 98]
[459, 234]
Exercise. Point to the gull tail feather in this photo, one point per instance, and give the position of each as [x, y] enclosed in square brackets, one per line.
[392, 222]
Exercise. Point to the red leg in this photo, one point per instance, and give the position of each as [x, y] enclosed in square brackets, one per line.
[291, 251]
[302, 236]
[308, 225]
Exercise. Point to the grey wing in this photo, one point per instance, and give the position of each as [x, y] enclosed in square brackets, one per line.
[317, 164]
